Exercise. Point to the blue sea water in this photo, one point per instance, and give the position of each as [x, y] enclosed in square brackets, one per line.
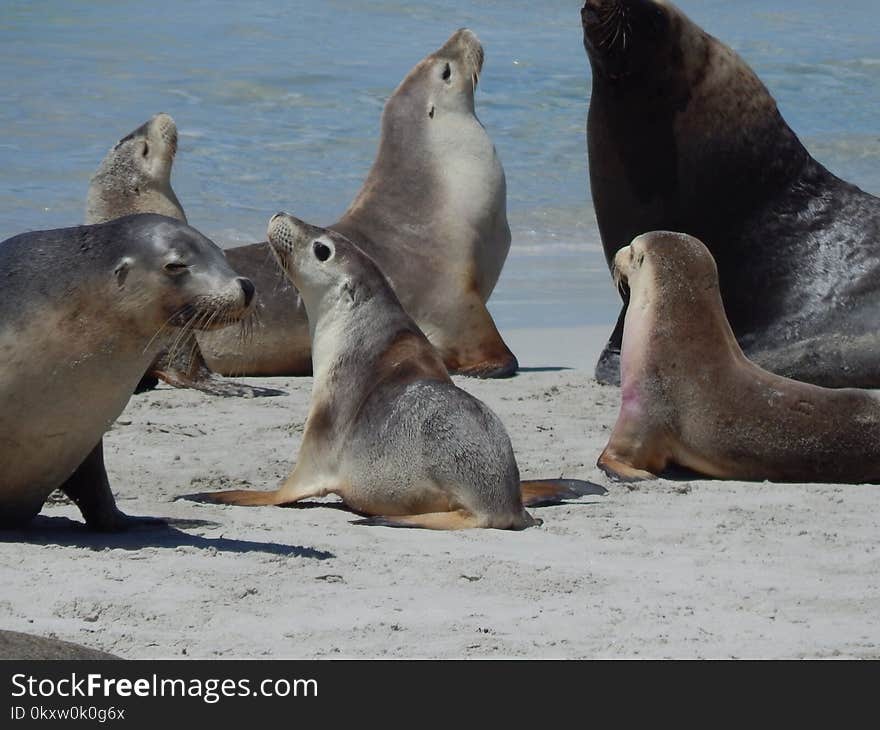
[278, 106]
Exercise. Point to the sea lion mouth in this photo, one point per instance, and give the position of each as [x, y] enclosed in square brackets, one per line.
[474, 57]
[281, 241]
[620, 271]
[621, 282]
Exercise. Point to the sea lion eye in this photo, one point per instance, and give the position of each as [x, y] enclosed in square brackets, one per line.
[175, 267]
[447, 72]
[322, 252]
[146, 149]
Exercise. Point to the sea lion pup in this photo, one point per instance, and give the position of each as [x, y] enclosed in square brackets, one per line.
[84, 312]
[431, 214]
[691, 397]
[683, 136]
[388, 431]
[135, 177]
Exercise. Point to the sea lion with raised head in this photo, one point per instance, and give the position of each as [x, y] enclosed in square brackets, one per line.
[431, 214]
[84, 312]
[683, 136]
[691, 398]
[135, 175]
[387, 430]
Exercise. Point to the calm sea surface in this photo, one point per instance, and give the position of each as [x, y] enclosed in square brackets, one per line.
[278, 105]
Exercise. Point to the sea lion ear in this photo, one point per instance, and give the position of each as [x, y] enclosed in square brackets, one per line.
[122, 269]
[354, 293]
[350, 293]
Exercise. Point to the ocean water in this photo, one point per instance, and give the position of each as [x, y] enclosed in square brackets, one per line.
[278, 105]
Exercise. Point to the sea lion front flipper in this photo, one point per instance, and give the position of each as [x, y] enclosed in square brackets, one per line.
[608, 365]
[618, 471]
[484, 354]
[457, 520]
[544, 492]
[89, 489]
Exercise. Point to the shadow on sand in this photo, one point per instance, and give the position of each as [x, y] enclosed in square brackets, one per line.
[65, 532]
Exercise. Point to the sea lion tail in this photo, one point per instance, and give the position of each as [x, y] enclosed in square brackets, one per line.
[543, 492]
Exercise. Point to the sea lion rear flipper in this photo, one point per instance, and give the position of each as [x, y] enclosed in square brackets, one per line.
[213, 385]
[538, 492]
[89, 489]
[238, 497]
[190, 371]
[457, 520]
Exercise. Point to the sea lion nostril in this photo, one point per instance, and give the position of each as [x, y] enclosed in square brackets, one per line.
[248, 288]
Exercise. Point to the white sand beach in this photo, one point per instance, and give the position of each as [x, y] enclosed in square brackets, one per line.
[666, 569]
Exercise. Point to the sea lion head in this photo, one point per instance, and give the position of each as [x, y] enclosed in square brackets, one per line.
[174, 277]
[675, 322]
[330, 272]
[626, 38]
[439, 87]
[665, 265]
[135, 175]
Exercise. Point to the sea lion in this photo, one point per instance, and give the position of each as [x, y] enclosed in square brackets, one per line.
[387, 430]
[84, 312]
[431, 214]
[690, 397]
[683, 136]
[17, 646]
[135, 177]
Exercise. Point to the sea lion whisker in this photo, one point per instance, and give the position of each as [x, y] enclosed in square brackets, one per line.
[173, 350]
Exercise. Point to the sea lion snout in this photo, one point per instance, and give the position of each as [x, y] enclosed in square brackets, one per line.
[594, 12]
[164, 126]
[464, 47]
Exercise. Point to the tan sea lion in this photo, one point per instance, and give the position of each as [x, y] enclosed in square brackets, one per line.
[691, 398]
[387, 430]
[683, 136]
[431, 214]
[84, 312]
